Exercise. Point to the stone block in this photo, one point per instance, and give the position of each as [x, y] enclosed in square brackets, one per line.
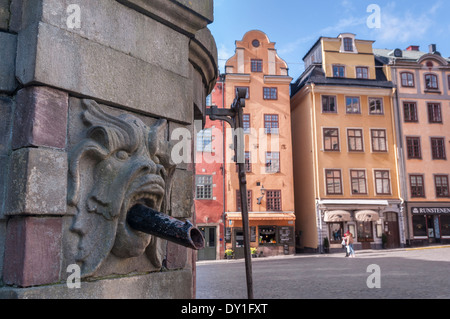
[40, 118]
[160, 285]
[68, 61]
[137, 35]
[4, 14]
[176, 256]
[8, 81]
[4, 168]
[6, 111]
[32, 251]
[182, 194]
[37, 182]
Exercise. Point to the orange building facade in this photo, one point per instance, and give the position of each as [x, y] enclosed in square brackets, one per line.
[422, 103]
[344, 149]
[268, 149]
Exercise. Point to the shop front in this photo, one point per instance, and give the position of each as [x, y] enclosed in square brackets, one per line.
[373, 224]
[429, 223]
[271, 234]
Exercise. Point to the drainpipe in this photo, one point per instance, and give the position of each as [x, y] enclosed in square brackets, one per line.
[316, 164]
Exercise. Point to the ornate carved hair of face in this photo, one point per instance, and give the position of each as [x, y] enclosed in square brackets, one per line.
[120, 162]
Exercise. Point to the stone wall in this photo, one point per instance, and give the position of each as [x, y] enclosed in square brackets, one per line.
[79, 85]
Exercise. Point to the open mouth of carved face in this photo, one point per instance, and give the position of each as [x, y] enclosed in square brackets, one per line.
[147, 190]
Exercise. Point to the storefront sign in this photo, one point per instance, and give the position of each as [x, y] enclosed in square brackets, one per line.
[430, 210]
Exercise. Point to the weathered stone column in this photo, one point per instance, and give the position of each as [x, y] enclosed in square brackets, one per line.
[90, 94]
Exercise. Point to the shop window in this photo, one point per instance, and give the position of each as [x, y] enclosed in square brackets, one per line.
[336, 230]
[365, 232]
[267, 235]
[419, 226]
[445, 225]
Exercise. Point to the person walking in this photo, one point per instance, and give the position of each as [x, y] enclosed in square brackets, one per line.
[349, 244]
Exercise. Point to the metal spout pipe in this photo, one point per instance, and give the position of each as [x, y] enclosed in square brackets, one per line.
[149, 221]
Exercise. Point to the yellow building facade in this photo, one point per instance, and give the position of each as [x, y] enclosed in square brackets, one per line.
[268, 148]
[344, 149]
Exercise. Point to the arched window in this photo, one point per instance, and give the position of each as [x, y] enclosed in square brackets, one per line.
[407, 79]
[431, 82]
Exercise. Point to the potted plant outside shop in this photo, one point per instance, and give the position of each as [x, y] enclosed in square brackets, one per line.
[383, 240]
[326, 245]
[229, 253]
[254, 252]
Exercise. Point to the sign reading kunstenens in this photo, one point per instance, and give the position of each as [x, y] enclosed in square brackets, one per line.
[431, 210]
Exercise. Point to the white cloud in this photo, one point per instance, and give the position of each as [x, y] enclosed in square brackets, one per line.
[405, 26]
[224, 53]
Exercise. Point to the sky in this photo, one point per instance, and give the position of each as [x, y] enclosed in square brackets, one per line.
[295, 25]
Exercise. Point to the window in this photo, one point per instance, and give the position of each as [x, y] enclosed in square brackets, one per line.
[238, 200]
[431, 82]
[338, 71]
[204, 141]
[441, 182]
[333, 182]
[247, 96]
[419, 226]
[209, 100]
[271, 123]
[331, 139]
[438, 148]
[248, 164]
[273, 200]
[413, 147]
[267, 235]
[358, 179]
[445, 225]
[434, 113]
[272, 162]
[336, 230]
[355, 140]
[256, 65]
[362, 72]
[407, 79]
[348, 44]
[204, 186]
[382, 182]
[329, 104]
[352, 105]
[246, 123]
[365, 231]
[270, 93]
[379, 143]
[410, 112]
[417, 186]
[376, 106]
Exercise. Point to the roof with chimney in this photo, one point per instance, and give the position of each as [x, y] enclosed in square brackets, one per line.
[411, 54]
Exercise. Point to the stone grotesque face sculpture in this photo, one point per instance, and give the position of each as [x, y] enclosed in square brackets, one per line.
[123, 162]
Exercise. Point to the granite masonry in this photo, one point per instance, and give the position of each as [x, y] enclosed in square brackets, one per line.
[90, 94]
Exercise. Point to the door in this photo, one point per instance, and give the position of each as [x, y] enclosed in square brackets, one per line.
[434, 234]
[238, 243]
[209, 252]
[391, 228]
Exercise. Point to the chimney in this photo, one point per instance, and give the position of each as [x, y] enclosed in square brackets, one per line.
[432, 48]
[413, 48]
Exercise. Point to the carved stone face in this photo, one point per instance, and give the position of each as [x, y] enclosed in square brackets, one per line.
[127, 163]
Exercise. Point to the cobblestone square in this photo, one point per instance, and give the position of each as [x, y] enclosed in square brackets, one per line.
[403, 274]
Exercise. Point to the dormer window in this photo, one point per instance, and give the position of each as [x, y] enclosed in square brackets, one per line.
[348, 44]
